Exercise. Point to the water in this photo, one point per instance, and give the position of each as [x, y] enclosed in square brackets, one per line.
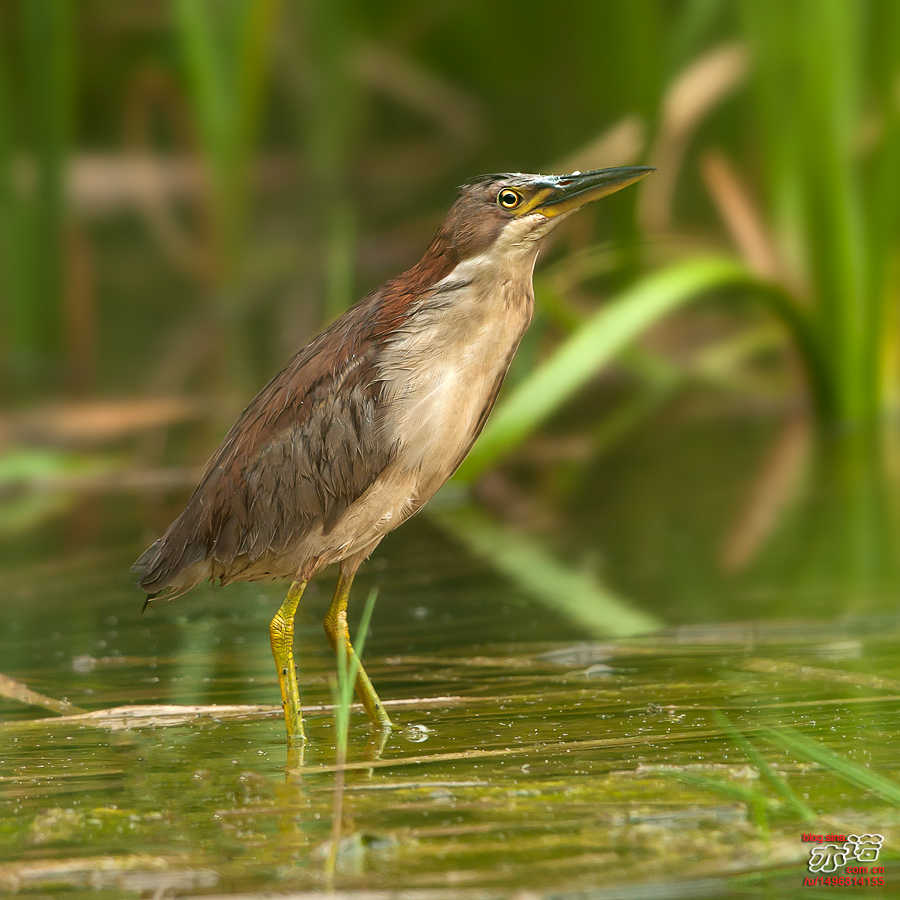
[533, 756]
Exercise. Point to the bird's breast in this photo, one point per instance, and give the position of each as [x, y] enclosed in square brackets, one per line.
[442, 371]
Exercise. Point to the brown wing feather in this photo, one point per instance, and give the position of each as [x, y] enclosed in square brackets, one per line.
[302, 452]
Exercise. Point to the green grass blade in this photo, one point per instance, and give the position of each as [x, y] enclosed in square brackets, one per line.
[208, 88]
[746, 795]
[35, 119]
[823, 69]
[207, 78]
[839, 765]
[254, 21]
[362, 630]
[574, 593]
[594, 345]
[327, 128]
[758, 803]
[834, 225]
[342, 688]
[883, 223]
[21, 309]
[347, 670]
[225, 60]
[765, 770]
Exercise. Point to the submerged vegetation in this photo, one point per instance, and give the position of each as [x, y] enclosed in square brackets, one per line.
[522, 765]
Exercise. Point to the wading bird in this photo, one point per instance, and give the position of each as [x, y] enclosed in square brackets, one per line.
[366, 422]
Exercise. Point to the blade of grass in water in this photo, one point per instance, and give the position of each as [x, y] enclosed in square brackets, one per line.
[347, 670]
[758, 803]
[764, 769]
[576, 594]
[834, 762]
[342, 692]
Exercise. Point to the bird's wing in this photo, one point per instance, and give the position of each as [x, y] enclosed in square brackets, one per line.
[304, 449]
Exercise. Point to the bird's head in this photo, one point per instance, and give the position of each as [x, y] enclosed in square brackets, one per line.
[511, 213]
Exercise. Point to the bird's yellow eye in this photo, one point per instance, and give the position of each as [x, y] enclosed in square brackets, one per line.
[509, 199]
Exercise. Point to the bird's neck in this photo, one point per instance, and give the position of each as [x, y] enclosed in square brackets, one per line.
[462, 287]
[478, 310]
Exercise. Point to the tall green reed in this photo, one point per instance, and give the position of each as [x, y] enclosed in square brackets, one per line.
[36, 89]
[225, 55]
[826, 121]
[825, 117]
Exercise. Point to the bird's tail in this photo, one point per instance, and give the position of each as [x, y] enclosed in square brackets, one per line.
[173, 565]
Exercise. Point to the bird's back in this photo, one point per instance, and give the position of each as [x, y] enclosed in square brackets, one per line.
[304, 449]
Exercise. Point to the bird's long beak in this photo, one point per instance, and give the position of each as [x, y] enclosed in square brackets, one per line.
[573, 191]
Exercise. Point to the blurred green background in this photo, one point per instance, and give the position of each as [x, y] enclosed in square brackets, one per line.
[189, 190]
[698, 437]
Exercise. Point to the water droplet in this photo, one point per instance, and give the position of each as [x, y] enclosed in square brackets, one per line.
[415, 734]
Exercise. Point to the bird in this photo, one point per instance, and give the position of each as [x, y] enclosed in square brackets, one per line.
[367, 422]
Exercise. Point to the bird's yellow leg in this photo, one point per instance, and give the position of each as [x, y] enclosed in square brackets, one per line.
[338, 633]
[282, 633]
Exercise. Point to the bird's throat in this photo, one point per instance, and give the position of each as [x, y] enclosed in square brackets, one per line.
[443, 369]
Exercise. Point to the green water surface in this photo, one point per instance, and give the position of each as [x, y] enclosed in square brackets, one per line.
[534, 759]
